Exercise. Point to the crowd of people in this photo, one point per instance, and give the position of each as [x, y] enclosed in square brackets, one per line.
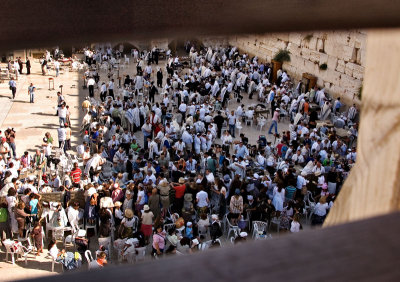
[165, 160]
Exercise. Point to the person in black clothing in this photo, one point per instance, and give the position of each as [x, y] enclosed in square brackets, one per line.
[155, 56]
[28, 66]
[129, 167]
[215, 229]
[219, 120]
[244, 139]
[152, 92]
[313, 118]
[264, 209]
[44, 65]
[159, 78]
[273, 106]
[128, 81]
[176, 174]
[21, 66]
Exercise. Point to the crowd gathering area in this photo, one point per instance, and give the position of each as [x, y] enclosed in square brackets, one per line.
[176, 155]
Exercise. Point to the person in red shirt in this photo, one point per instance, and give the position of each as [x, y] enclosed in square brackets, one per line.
[279, 148]
[101, 259]
[179, 193]
[76, 175]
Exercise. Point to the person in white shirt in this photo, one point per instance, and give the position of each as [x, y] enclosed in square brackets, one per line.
[295, 225]
[202, 112]
[182, 109]
[316, 146]
[119, 160]
[153, 149]
[298, 157]
[301, 181]
[209, 175]
[192, 109]
[166, 100]
[261, 160]
[16, 69]
[95, 162]
[111, 88]
[180, 146]
[232, 123]
[191, 164]
[57, 67]
[62, 114]
[62, 137]
[239, 166]
[31, 93]
[149, 177]
[202, 198]
[239, 111]
[90, 83]
[320, 212]
[74, 216]
[187, 139]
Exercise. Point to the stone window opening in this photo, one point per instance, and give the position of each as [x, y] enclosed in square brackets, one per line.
[321, 45]
[356, 56]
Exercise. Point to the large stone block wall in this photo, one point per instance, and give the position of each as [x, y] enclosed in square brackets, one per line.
[343, 52]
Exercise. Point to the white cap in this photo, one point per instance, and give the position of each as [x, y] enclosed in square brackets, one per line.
[132, 241]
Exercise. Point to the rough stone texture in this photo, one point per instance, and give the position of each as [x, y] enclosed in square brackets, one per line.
[343, 52]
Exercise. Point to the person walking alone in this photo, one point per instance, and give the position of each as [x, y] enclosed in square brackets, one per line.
[152, 92]
[91, 82]
[31, 93]
[13, 87]
[274, 122]
[159, 77]
[111, 88]
[57, 67]
[232, 123]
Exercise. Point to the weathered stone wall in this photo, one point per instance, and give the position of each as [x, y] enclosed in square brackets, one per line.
[343, 52]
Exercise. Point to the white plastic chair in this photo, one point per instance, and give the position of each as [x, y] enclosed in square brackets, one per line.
[104, 67]
[249, 120]
[141, 252]
[16, 248]
[261, 123]
[54, 262]
[48, 224]
[126, 60]
[88, 256]
[231, 228]
[309, 205]
[10, 250]
[58, 233]
[169, 226]
[26, 239]
[259, 227]
[277, 222]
